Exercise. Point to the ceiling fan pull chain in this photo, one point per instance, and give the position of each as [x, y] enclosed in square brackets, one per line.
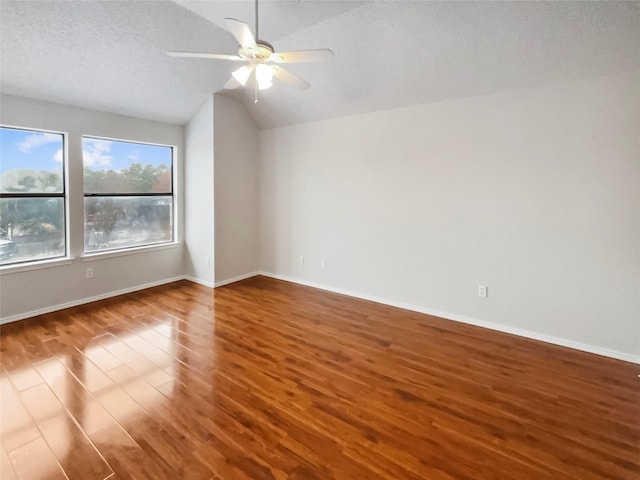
[255, 91]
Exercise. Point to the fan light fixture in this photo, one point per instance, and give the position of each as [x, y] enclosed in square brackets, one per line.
[242, 75]
[261, 58]
[264, 76]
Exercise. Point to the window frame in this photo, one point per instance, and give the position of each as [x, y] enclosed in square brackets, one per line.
[88, 255]
[64, 257]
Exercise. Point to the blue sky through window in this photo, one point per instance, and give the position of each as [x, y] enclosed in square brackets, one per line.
[25, 149]
[100, 154]
[30, 150]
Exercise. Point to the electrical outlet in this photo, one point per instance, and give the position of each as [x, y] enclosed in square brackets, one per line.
[323, 263]
[209, 261]
[301, 260]
[482, 291]
[89, 273]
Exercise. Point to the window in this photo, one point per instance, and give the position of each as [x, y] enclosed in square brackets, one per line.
[32, 196]
[128, 194]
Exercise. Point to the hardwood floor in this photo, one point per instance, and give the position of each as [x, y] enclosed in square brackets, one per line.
[264, 379]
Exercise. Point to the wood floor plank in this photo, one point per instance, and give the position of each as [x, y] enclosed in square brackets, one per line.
[79, 402]
[16, 425]
[6, 468]
[35, 460]
[66, 439]
[126, 457]
[25, 377]
[264, 379]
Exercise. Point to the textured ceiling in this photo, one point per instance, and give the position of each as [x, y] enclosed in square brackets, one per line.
[110, 55]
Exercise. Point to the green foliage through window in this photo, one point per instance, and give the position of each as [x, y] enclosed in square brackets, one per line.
[128, 194]
[32, 206]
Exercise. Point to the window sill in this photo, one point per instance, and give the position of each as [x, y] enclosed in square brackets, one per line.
[25, 267]
[91, 257]
[59, 262]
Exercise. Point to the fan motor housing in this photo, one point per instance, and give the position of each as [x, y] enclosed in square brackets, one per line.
[262, 51]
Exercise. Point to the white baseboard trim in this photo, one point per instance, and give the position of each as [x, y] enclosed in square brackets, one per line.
[469, 320]
[82, 301]
[198, 281]
[236, 279]
[221, 282]
[437, 313]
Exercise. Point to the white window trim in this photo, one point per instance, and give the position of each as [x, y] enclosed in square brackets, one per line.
[27, 265]
[176, 242]
[35, 265]
[91, 257]
[62, 261]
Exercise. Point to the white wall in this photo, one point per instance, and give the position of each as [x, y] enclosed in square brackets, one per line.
[25, 293]
[534, 193]
[199, 228]
[236, 190]
[221, 232]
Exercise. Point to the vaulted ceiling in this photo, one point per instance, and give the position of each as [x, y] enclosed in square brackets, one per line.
[111, 55]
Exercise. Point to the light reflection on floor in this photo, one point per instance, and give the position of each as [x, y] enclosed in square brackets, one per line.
[53, 404]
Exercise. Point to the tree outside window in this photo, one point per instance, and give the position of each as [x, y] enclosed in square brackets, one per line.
[32, 196]
[128, 191]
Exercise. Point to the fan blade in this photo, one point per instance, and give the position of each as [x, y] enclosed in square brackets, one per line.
[322, 55]
[242, 32]
[289, 78]
[215, 56]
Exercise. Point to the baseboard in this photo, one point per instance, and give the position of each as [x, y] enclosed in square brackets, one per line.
[198, 281]
[469, 320]
[437, 313]
[235, 279]
[103, 296]
[82, 301]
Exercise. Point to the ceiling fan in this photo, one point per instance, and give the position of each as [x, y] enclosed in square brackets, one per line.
[260, 59]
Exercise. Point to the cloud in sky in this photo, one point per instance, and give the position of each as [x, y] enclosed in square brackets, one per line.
[135, 155]
[36, 140]
[58, 156]
[95, 152]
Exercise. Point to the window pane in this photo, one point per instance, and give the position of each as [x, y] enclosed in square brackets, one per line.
[31, 161]
[31, 229]
[112, 166]
[121, 222]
